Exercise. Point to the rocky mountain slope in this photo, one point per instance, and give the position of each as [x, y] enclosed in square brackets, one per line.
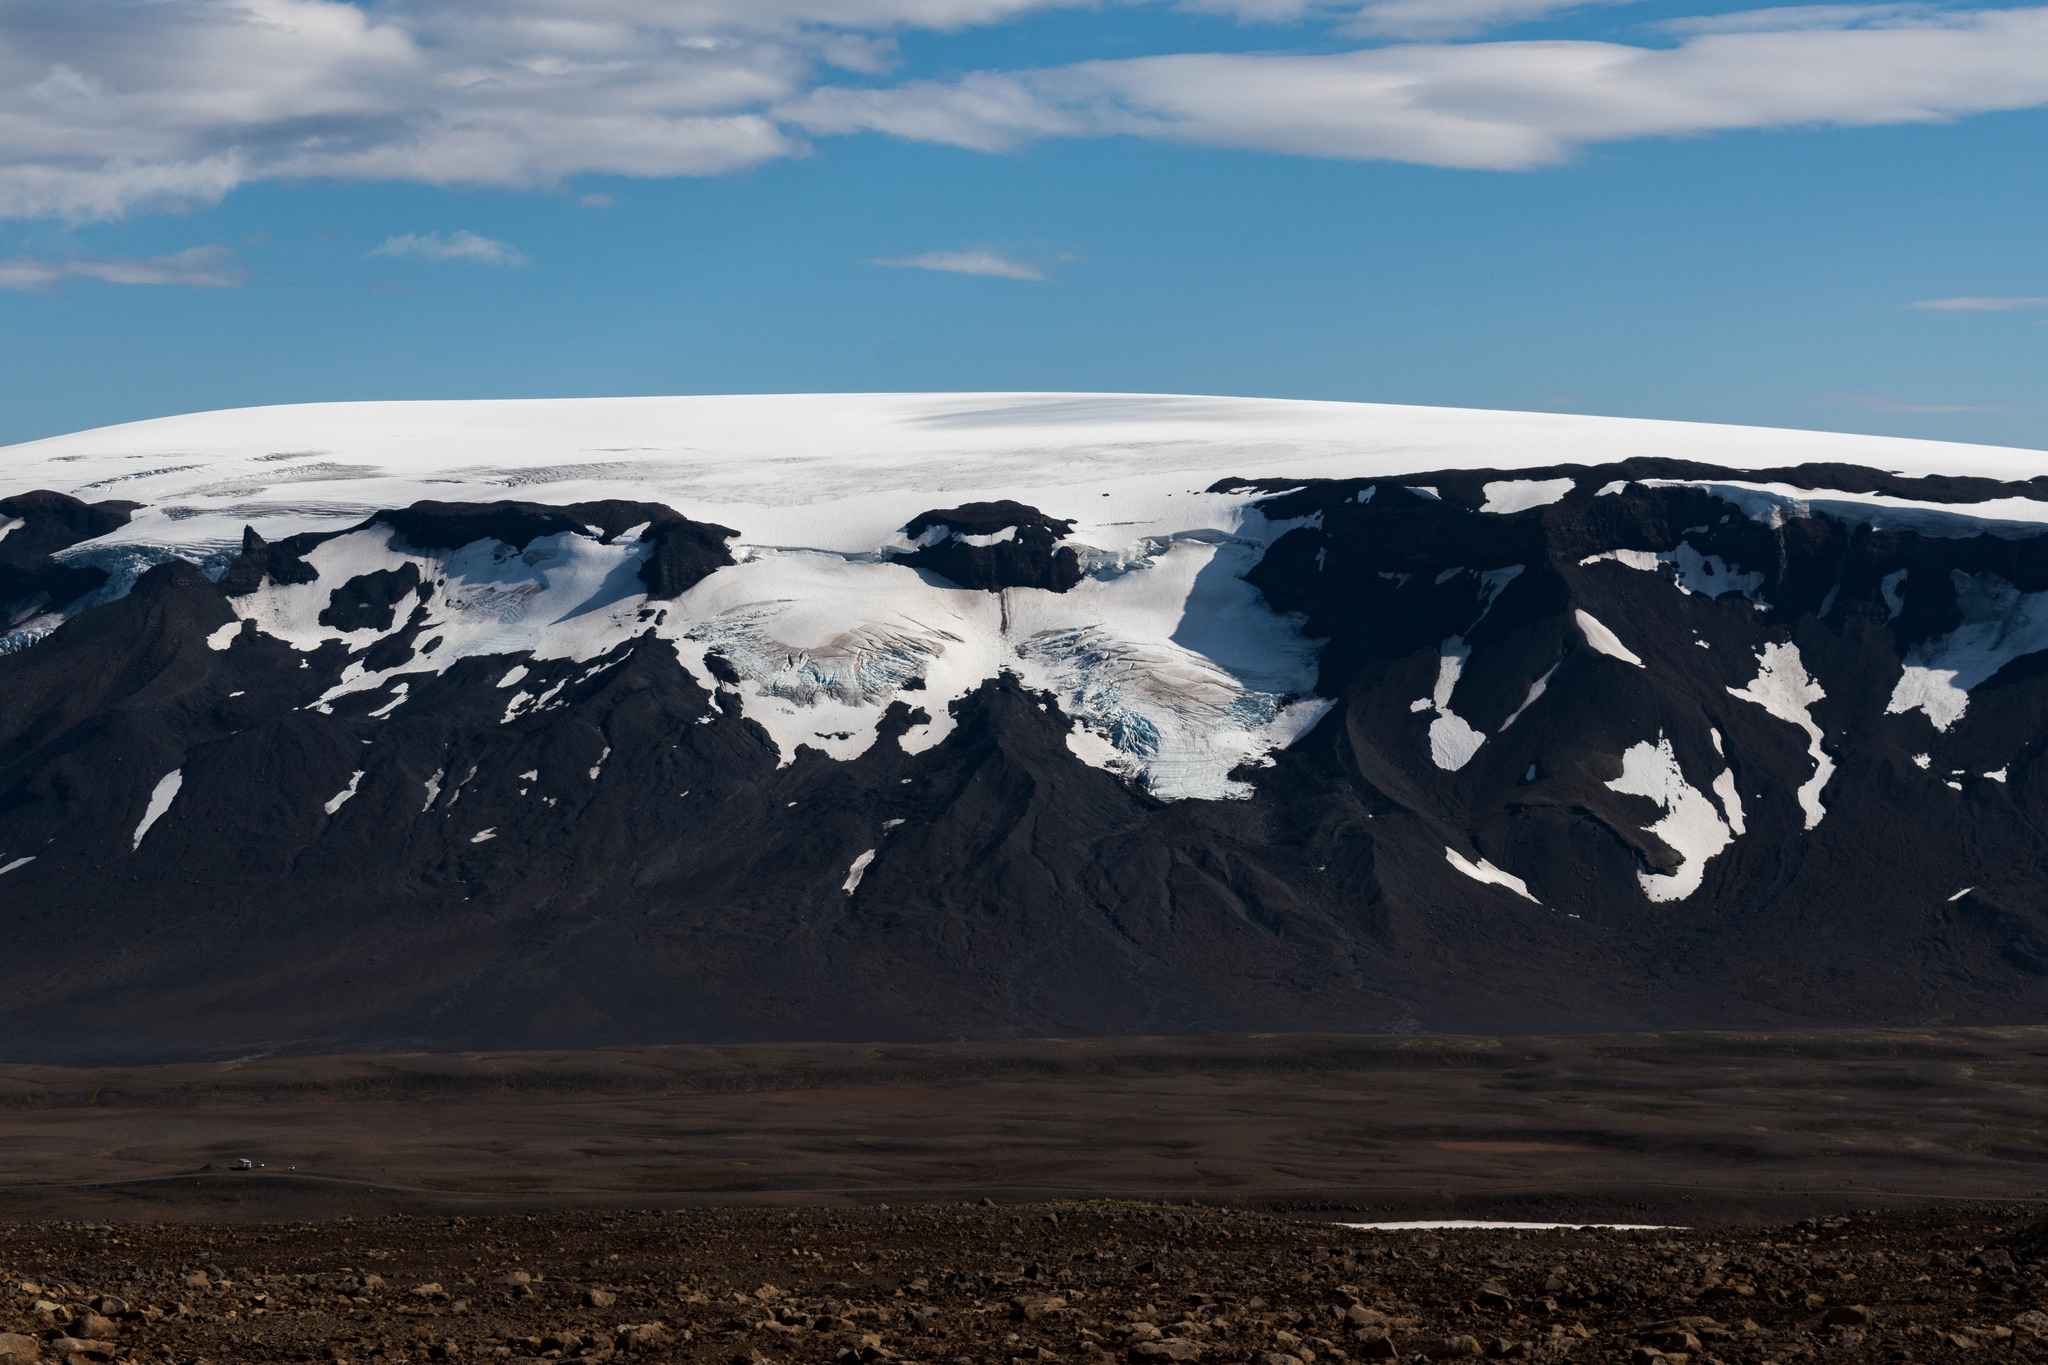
[494, 725]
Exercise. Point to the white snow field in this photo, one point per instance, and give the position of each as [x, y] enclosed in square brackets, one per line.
[1177, 670]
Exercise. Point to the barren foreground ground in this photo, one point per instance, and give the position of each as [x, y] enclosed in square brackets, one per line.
[1092, 1282]
[1671, 1128]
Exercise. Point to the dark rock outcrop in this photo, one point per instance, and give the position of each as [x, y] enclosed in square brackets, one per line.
[40, 525]
[1019, 547]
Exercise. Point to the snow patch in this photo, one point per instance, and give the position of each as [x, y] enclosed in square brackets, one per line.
[225, 635]
[433, 789]
[1610, 489]
[1452, 740]
[1962, 893]
[341, 797]
[1603, 641]
[1996, 775]
[1782, 688]
[2000, 624]
[1519, 495]
[159, 801]
[1008, 533]
[1731, 801]
[1894, 599]
[1536, 689]
[18, 862]
[1484, 871]
[397, 700]
[484, 835]
[857, 871]
[1491, 582]
[1691, 827]
[1448, 1224]
[1693, 572]
[1426, 490]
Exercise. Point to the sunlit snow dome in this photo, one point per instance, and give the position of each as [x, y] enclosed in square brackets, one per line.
[1177, 669]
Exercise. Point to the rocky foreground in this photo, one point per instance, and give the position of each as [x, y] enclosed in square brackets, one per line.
[1144, 1283]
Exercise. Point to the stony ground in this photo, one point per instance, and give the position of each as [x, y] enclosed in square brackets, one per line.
[979, 1284]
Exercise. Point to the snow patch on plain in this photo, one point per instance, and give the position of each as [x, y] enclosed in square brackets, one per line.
[1691, 827]
[1484, 871]
[159, 802]
[1782, 688]
[1452, 1224]
[2000, 624]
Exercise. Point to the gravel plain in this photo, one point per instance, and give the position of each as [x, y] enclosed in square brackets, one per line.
[1095, 1281]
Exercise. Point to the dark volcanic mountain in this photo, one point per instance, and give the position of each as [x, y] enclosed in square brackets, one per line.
[1637, 742]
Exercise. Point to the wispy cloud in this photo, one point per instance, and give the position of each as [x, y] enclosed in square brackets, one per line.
[1478, 106]
[457, 246]
[1797, 18]
[199, 267]
[1979, 305]
[965, 263]
[1455, 18]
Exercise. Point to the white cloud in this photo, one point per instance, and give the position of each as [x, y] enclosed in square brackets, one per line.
[457, 246]
[1976, 305]
[966, 263]
[108, 108]
[199, 267]
[1497, 106]
[1790, 18]
[1455, 18]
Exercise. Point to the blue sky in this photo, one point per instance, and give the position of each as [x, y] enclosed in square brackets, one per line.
[1814, 216]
